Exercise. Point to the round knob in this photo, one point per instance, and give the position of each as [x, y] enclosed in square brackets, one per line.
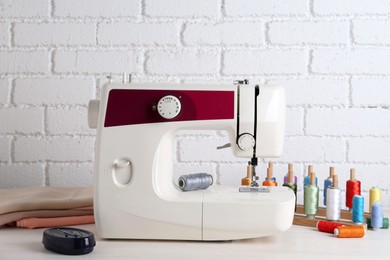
[169, 107]
[246, 142]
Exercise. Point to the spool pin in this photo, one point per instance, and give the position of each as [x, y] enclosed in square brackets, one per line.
[269, 181]
[328, 183]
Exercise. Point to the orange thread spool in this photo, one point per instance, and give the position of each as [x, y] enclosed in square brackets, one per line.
[353, 188]
[246, 182]
[268, 181]
[328, 227]
[350, 232]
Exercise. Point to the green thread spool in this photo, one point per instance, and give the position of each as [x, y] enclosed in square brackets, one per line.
[385, 223]
[311, 197]
[290, 182]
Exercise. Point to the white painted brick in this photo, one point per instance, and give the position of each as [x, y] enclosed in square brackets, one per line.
[294, 121]
[4, 34]
[72, 120]
[27, 34]
[309, 32]
[371, 92]
[265, 7]
[204, 150]
[33, 149]
[92, 8]
[180, 8]
[314, 91]
[70, 175]
[351, 7]
[359, 61]
[97, 61]
[20, 120]
[24, 8]
[134, 33]
[369, 150]
[182, 62]
[265, 62]
[312, 149]
[24, 62]
[231, 174]
[371, 31]
[349, 122]
[4, 89]
[248, 33]
[21, 175]
[5, 149]
[53, 91]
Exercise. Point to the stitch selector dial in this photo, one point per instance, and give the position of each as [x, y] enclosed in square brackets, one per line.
[169, 107]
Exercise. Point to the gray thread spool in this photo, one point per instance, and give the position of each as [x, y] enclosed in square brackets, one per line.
[196, 181]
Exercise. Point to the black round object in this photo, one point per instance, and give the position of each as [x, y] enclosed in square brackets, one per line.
[68, 241]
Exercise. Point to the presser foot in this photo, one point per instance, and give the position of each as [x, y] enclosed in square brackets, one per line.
[254, 189]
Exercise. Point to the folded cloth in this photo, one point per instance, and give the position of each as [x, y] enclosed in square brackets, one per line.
[54, 222]
[10, 218]
[44, 198]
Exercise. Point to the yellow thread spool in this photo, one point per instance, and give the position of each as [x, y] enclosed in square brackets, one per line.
[375, 195]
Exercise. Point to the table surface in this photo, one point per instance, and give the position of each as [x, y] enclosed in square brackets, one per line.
[297, 243]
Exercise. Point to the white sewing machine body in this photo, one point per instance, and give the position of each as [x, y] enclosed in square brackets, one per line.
[134, 193]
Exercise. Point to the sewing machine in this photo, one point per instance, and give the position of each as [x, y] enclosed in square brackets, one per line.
[135, 196]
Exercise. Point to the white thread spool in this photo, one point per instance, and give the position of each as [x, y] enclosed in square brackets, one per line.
[333, 205]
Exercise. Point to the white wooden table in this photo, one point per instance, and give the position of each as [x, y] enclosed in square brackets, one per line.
[297, 243]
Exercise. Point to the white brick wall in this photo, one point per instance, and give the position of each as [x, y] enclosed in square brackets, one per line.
[92, 8]
[125, 33]
[27, 34]
[19, 120]
[247, 62]
[309, 32]
[4, 89]
[53, 91]
[224, 33]
[24, 8]
[4, 35]
[24, 62]
[332, 57]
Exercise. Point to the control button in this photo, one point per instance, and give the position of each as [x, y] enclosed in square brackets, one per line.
[122, 171]
[169, 107]
[246, 142]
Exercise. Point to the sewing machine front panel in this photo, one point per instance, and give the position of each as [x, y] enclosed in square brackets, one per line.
[141, 106]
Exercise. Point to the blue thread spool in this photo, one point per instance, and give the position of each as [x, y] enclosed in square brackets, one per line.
[358, 209]
[377, 216]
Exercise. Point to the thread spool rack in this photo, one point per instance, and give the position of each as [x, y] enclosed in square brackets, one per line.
[300, 218]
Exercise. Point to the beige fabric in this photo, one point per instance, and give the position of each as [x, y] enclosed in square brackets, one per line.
[10, 218]
[44, 198]
[55, 222]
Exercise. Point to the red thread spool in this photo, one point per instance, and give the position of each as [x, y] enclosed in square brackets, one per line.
[353, 188]
[328, 227]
